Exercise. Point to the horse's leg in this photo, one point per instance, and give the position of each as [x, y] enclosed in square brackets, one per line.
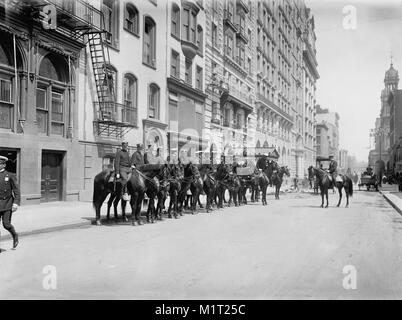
[347, 196]
[98, 205]
[322, 196]
[133, 204]
[115, 205]
[340, 195]
[109, 204]
[326, 194]
[138, 208]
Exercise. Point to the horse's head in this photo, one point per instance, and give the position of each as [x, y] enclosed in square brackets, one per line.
[286, 171]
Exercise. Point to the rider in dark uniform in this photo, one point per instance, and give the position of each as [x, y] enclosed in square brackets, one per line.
[123, 166]
[137, 159]
[333, 168]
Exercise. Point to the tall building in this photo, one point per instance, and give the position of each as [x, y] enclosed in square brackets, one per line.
[230, 78]
[322, 140]
[331, 120]
[386, 126]
[261, 73]
[185, 79]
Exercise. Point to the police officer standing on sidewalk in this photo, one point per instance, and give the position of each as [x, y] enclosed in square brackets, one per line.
[10, 198]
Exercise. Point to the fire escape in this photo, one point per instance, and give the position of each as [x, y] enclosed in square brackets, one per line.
[79, 20]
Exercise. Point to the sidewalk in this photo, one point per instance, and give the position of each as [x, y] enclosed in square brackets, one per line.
[48, 217]
[391, 194]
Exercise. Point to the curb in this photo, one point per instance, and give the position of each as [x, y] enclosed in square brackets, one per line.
[390, 202]
[48, 230]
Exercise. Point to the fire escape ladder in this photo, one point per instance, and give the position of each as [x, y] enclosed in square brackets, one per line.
[103, 75]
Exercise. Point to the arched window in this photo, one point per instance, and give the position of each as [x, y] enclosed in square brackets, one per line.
[130, 94]
[7, 86]
[51, 95]
[153, 101]
[149, 47]
[131, 19]
[175, 20]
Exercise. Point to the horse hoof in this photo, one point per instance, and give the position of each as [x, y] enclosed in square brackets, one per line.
[98, 223]
[125, 219]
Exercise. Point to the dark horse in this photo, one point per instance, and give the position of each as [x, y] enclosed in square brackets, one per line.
[209, 185]
[267, 168]
[103, 187]
[222, 177]
[192, 181]
[176, 178]
[325, 183]
[277, 178]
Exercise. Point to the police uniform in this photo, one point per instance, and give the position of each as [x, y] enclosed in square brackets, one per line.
[9, 195]
[122, 166]
[137, 159]
[333, 169]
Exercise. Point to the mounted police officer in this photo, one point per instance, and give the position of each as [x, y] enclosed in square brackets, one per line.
[123, 167]
[333, 168]
[10, 198]
[137, 158]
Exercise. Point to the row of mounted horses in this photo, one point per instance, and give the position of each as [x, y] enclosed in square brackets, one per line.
[176, 180]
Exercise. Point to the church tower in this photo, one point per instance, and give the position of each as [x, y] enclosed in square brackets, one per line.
[391, 82]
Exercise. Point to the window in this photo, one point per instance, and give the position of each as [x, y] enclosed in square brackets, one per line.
[200, 40]
[50, 96]
[175, 65]
[111, 19]
[229, 45]
[153, 101]
[149, 47]
[198, 79]
[249, 65]
[193, 27]
[131, 19]
[189, 26]
[130, 94]
[41, 110]
[107, 163]
[5, 91]
[189, 71]
[214, 35]
[6, 104]
[216, 112]
[186, 24]
[175, 21]
[57, 114]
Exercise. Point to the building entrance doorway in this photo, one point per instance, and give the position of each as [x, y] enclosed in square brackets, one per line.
[52, 176]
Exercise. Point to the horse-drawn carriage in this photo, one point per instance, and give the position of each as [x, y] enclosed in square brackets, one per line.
[368, 179]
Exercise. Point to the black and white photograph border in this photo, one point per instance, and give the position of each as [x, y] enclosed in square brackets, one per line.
[212, 150]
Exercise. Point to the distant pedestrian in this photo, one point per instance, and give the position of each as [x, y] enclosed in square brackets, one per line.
[296, 183]
[10, 198]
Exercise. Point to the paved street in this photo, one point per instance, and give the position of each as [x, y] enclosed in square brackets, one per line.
[289, 249]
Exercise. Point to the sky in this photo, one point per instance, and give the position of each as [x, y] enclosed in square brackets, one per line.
[352, 63]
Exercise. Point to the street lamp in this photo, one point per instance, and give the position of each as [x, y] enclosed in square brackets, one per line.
[379, 132]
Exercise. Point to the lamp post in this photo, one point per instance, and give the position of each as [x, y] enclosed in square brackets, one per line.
[379, 133]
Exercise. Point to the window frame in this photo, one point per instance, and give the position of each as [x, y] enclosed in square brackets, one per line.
[156, 108]
[136, 24]
[134, 99]
[152, 46]
[175, 18]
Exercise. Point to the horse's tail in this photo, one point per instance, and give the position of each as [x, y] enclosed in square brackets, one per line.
[350, 187]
